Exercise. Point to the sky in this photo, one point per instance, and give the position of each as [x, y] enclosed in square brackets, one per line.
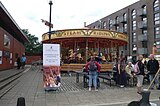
[66, 14]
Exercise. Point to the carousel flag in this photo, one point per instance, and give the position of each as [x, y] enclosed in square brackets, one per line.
[51, 66]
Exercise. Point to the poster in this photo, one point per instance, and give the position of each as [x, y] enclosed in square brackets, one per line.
[10, 58]
[0, 57]
[51, 66]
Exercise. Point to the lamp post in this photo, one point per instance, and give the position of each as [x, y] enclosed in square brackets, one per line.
[50, 3]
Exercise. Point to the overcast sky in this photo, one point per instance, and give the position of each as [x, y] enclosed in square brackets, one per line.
[66, 14]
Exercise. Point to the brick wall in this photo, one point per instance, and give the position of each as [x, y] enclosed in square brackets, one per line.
[15, 48]
[31, 59]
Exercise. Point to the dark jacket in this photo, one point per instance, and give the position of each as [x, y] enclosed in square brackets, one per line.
[152, 66]
[141, 67]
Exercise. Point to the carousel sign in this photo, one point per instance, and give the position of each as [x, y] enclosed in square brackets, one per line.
[86, 33]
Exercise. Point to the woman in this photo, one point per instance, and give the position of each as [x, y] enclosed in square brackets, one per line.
[93, 67]
[121, 74]
[139, 73]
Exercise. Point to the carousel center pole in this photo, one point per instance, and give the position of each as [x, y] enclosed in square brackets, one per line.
[86, 50]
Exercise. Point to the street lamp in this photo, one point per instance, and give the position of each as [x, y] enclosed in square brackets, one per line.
[50, 3]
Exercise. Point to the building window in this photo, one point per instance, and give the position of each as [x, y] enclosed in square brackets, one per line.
[7, 41]
[133, 14]
[158, 45]
[104, 25]
[157, 18]
[124, 16]
[117, 28]
[144, 44]
[144, 19]
[125, 27]
[157, 32]
[134, 48]
[144, 9]
[144, 32]
[110, 24]
[117, 20]
[133, 25]
[134, 38]
[156, 6]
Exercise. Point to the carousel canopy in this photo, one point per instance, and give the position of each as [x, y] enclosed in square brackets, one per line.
[105, 38]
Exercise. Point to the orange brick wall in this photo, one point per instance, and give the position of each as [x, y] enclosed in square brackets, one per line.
[15, 47]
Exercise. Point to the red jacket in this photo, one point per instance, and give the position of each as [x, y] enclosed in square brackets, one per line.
[97, 64]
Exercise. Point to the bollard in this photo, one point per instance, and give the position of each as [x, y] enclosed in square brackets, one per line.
[21, 101]
[145, 98]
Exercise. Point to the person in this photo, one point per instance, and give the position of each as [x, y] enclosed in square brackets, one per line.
[93, 67]
[139, 72]
[23, 61]
[129, 71]
[18, 63]
[153, 67]
[121, 74]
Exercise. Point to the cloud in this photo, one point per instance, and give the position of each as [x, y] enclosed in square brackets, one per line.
[66, 14]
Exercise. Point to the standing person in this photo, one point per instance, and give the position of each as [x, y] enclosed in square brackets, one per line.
[153, 67]
[94, 68]
[121, 74]
[139, 71]
[18, 62]
[23, 61]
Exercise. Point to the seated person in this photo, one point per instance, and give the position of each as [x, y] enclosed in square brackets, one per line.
[130, 70]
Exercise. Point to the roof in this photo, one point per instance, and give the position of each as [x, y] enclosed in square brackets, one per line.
[9, 24]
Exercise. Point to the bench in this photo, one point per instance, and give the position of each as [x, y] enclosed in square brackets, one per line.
[78, 67]
[104, 76]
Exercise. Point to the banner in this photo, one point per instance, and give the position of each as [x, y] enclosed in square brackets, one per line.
[51, 66]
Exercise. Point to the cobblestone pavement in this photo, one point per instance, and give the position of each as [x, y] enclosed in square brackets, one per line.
[70, 93]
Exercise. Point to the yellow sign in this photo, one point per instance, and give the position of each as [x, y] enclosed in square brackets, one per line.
[95, 33]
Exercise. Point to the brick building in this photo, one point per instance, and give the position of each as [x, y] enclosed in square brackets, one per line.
[140, 21]
[12, 40]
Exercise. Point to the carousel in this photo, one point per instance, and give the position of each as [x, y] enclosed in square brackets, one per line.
[77, 45]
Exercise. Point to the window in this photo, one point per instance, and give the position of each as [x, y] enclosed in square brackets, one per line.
[110, 24]
[156, 6]
[157, 18]
[144, 9]
[133, 25]
[158, 45]
[125, 27]
[134, 38]
[157, 32]
[134, 48]
[104, 25]
[117, 20]
[144, 19]
[117, 28]
[125, 17]
[144, 44]
[144, 32]
[7, 41]
[133, 14]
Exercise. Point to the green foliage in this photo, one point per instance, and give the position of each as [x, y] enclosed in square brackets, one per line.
[34, 47]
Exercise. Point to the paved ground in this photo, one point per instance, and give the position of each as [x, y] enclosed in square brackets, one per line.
[30, 87]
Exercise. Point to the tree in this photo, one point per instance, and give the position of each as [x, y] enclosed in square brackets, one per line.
[34, 47]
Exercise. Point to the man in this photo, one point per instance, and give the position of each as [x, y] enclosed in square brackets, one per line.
[139, 71]
[93, 67]
[153, 67]
[23, 61]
